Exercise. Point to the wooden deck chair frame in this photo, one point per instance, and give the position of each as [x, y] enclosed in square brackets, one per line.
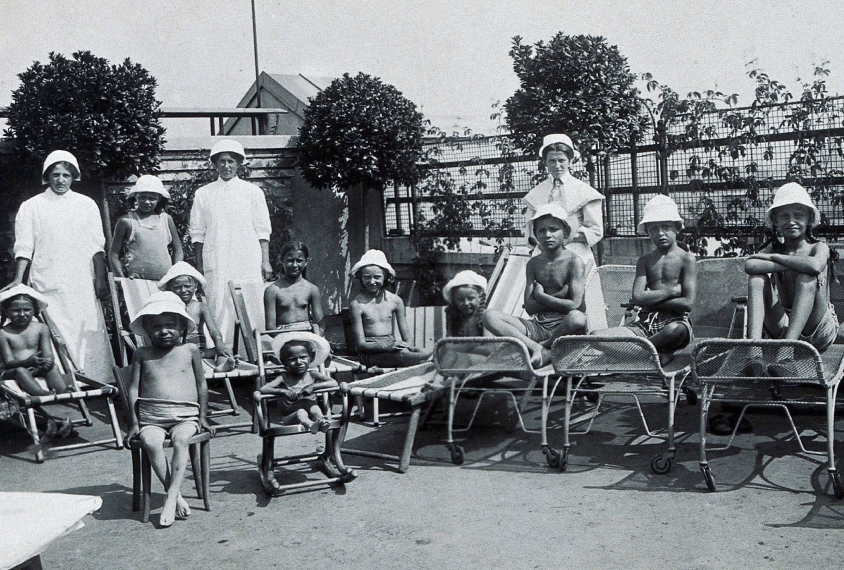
[200, 456]
[329, 459]
[130, 341]
[84, 389]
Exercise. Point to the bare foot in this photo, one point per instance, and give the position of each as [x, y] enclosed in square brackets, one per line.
[182, 508]
[168, 513]
[324, 425]
[314, 427]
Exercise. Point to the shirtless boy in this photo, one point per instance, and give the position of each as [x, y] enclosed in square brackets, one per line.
[553, 291]
[167, 395]
[293, 303]
[372, 313]
[665, 283]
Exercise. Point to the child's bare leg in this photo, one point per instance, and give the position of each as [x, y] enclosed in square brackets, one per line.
[56, 381]
[501, 324]
[304, 419]
[671, 335]
[180, 436]
[761, 306]
[319, 419]
[574, 323]
[26, 381]
[806, 288]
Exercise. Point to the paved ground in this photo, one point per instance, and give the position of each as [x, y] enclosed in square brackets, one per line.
[504, 508]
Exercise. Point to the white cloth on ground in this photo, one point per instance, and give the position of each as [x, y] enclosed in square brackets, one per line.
[229, 219]
[60, 234]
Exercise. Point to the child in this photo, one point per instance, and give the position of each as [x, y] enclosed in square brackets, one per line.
[466, 298]
[292, 303]
[553, 290]
[665, 283]
[145, 234]
[167, 394]
[183, 280]
[26, 351]
[372, 313]
[298, 351]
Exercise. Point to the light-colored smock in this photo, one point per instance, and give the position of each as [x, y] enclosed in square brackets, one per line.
[60, 234]
[229, 218]
[584, 205]
[146, 252]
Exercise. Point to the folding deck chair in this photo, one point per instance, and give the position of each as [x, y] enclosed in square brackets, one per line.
[84, 389]
[134, 293]
[328, 460]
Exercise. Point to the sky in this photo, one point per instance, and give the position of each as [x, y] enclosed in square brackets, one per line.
[448, 57]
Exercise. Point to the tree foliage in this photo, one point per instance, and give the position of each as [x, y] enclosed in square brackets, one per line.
[360, 131]
[106, 115]
[578, 85]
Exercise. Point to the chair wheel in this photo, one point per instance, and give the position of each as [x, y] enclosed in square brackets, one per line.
[837, 488]
[457, 455]
[552, 456]
[710, 480]
[592, 398]
[662, 464]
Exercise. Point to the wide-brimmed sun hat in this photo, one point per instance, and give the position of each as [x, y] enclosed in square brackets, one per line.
[179, 269]
[228, 145]
[467, 277]
[374, 257]
[319, 344]
[149, 183]
[21, 289]
[792, 193]
[556, 138]
[660, 208]
[59, 156]
[158, 304]
[554, 210]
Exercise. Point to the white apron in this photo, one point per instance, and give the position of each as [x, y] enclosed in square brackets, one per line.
[229, 218]
[60, 234]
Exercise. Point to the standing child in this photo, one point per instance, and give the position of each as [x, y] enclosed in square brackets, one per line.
[293, 303]
[167, 395]
[145, 234]
[373, 311]
[553, 290]
[183, 280]
[299, 351]
[665, 285]
[466, 298]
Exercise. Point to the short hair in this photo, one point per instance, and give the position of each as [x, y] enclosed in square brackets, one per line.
[558, 147]
[290, 343]
[5, 305]
[73, 170]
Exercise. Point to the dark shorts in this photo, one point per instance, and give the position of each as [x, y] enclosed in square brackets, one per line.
[300, 404]
[649, 323]
[540, 326]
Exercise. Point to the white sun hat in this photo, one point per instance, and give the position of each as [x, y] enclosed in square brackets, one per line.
[467, 277]
[59, 156]
[319, 344]
[149, 183]
[792, 193]
[374, 257]
[660, 208]
[179, 269]
[553, 209]
[556, 138]
[228, 145]
[158, 304]
[21, 289]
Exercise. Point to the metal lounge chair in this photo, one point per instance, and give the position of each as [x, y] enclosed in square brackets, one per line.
[84, 389]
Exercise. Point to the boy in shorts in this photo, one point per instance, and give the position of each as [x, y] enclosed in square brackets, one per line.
[665, 285]
[167, 394]
[553, 290]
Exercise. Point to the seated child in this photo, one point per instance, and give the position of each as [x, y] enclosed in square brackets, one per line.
[553, 290]
[298, 351]
[167, 394]
[183, 280]
[26, 351]
[466, 298]
[372, 313]
[665, 284]
[292, 303]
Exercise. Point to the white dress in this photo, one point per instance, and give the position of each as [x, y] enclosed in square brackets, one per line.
[60, 234]
[585, 205]
[229, 219]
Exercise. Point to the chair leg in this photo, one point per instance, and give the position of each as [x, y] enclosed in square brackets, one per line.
[146, 485]
[407, 451]
[136, 480]
[232, 399]
[205, 462]
[33, 432]
[115, 427]
[196, 466]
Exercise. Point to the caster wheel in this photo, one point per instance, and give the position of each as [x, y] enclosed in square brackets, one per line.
[662, 464]
[592, 398]
[710, 480]
[691, 396]
[564, 460]
[837, 488]
[552, 456]
[457, 455]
